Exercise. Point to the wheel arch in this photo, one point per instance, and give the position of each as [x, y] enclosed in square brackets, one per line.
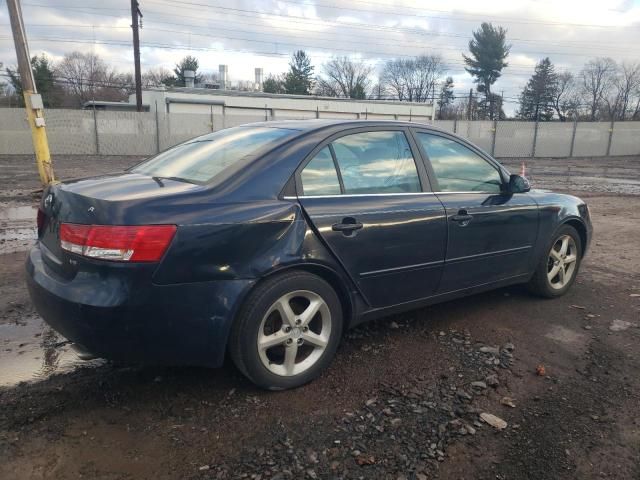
[329, 275]
[582, 231]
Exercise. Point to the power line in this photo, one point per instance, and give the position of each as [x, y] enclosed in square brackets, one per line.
[570, 43]
[512, 72]
[297, 44]
[450, 17]
[376, 28]
[367, 42]
[252, 13]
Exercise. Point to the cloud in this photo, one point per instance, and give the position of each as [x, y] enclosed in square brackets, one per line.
[249, 33]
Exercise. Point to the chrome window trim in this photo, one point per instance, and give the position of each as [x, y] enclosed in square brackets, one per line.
[482, 193]
[348, 195]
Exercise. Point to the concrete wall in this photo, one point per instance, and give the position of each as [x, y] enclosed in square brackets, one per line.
[84, 132]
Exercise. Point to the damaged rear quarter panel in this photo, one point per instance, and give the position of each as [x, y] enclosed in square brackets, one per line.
[235, 241]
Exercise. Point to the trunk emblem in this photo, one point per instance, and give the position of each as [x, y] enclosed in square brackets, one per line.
[91, 209]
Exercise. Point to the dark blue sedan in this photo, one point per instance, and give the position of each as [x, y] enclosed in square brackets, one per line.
[269, 240]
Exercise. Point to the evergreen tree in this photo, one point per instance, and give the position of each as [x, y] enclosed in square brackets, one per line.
[359, 92]
[446, 98]
[491, 107]
[273, 84]
[488, 51]
[537, 97]
[299, 79]
[187, 63]
[44, 78]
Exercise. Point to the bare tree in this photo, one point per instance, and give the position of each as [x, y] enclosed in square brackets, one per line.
[413, 79]
[394, 76]
[156, 77]
[624, 83]
[85, 76]
[597, 78]
[627, 85]
[565, 96]
[211, 79]
[635, 115]
[378, 91]
[343, 77]
[463, 109]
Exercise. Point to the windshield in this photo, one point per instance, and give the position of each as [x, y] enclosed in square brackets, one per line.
[201, 159]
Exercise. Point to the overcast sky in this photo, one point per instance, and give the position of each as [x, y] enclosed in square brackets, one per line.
[262, 33]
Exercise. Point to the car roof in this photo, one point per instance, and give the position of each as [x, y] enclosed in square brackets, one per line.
[311, 125]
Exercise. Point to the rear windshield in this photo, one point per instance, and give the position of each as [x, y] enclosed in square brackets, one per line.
[201, 159]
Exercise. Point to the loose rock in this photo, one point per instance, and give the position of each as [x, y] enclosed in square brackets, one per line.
[495, 422]
[619, 325]
[492, 380]
[479, 385]
[491, 350]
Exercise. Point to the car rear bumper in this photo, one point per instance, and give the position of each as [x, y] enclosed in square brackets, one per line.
[111, 315]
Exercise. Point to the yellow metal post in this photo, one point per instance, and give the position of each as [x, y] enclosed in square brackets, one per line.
[35, 116]
[32, 101]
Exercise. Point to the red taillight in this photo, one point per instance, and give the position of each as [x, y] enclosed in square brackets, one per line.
[121, 243]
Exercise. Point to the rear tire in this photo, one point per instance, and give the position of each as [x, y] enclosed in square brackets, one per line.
[288, 331]
[557, 269]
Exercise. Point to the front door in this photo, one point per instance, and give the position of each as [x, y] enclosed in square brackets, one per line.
[363, 193]
[491, 234]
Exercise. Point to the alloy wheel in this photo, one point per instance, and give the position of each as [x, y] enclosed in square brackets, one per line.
[562, 262]
[294, 333]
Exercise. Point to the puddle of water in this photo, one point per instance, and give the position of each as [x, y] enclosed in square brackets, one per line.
[18, 229]
[31, 352]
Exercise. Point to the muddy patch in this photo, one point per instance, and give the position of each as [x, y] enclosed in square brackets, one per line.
[570, 339]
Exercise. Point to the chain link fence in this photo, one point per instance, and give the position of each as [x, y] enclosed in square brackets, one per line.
[89, 132]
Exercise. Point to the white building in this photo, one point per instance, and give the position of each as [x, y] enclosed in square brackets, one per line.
[254, 105]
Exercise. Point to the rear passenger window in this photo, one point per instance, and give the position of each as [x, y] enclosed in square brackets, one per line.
[376, 162]
[319, 177]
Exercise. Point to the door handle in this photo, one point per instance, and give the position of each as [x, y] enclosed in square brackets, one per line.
[463, 217]
[347, 227]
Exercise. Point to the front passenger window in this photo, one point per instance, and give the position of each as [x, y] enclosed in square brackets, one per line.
[457, 168]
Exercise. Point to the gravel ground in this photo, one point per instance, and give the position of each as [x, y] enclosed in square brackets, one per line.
[422, 395]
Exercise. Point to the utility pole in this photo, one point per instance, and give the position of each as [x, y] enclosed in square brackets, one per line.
[135, 15]
[469, 106]
[32, 100]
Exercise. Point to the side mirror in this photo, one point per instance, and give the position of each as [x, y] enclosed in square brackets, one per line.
[518, 184]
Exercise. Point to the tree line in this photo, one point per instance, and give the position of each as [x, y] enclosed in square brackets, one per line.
[602, 90]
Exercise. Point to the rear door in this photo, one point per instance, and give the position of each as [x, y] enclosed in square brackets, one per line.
[369, 201]
[491, 234]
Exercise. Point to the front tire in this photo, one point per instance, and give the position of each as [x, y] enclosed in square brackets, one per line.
[288, 331]
[558, 268]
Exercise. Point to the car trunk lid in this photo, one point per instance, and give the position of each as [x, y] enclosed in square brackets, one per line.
[105, 200]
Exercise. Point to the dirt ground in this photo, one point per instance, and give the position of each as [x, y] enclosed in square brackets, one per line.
[404, 399]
